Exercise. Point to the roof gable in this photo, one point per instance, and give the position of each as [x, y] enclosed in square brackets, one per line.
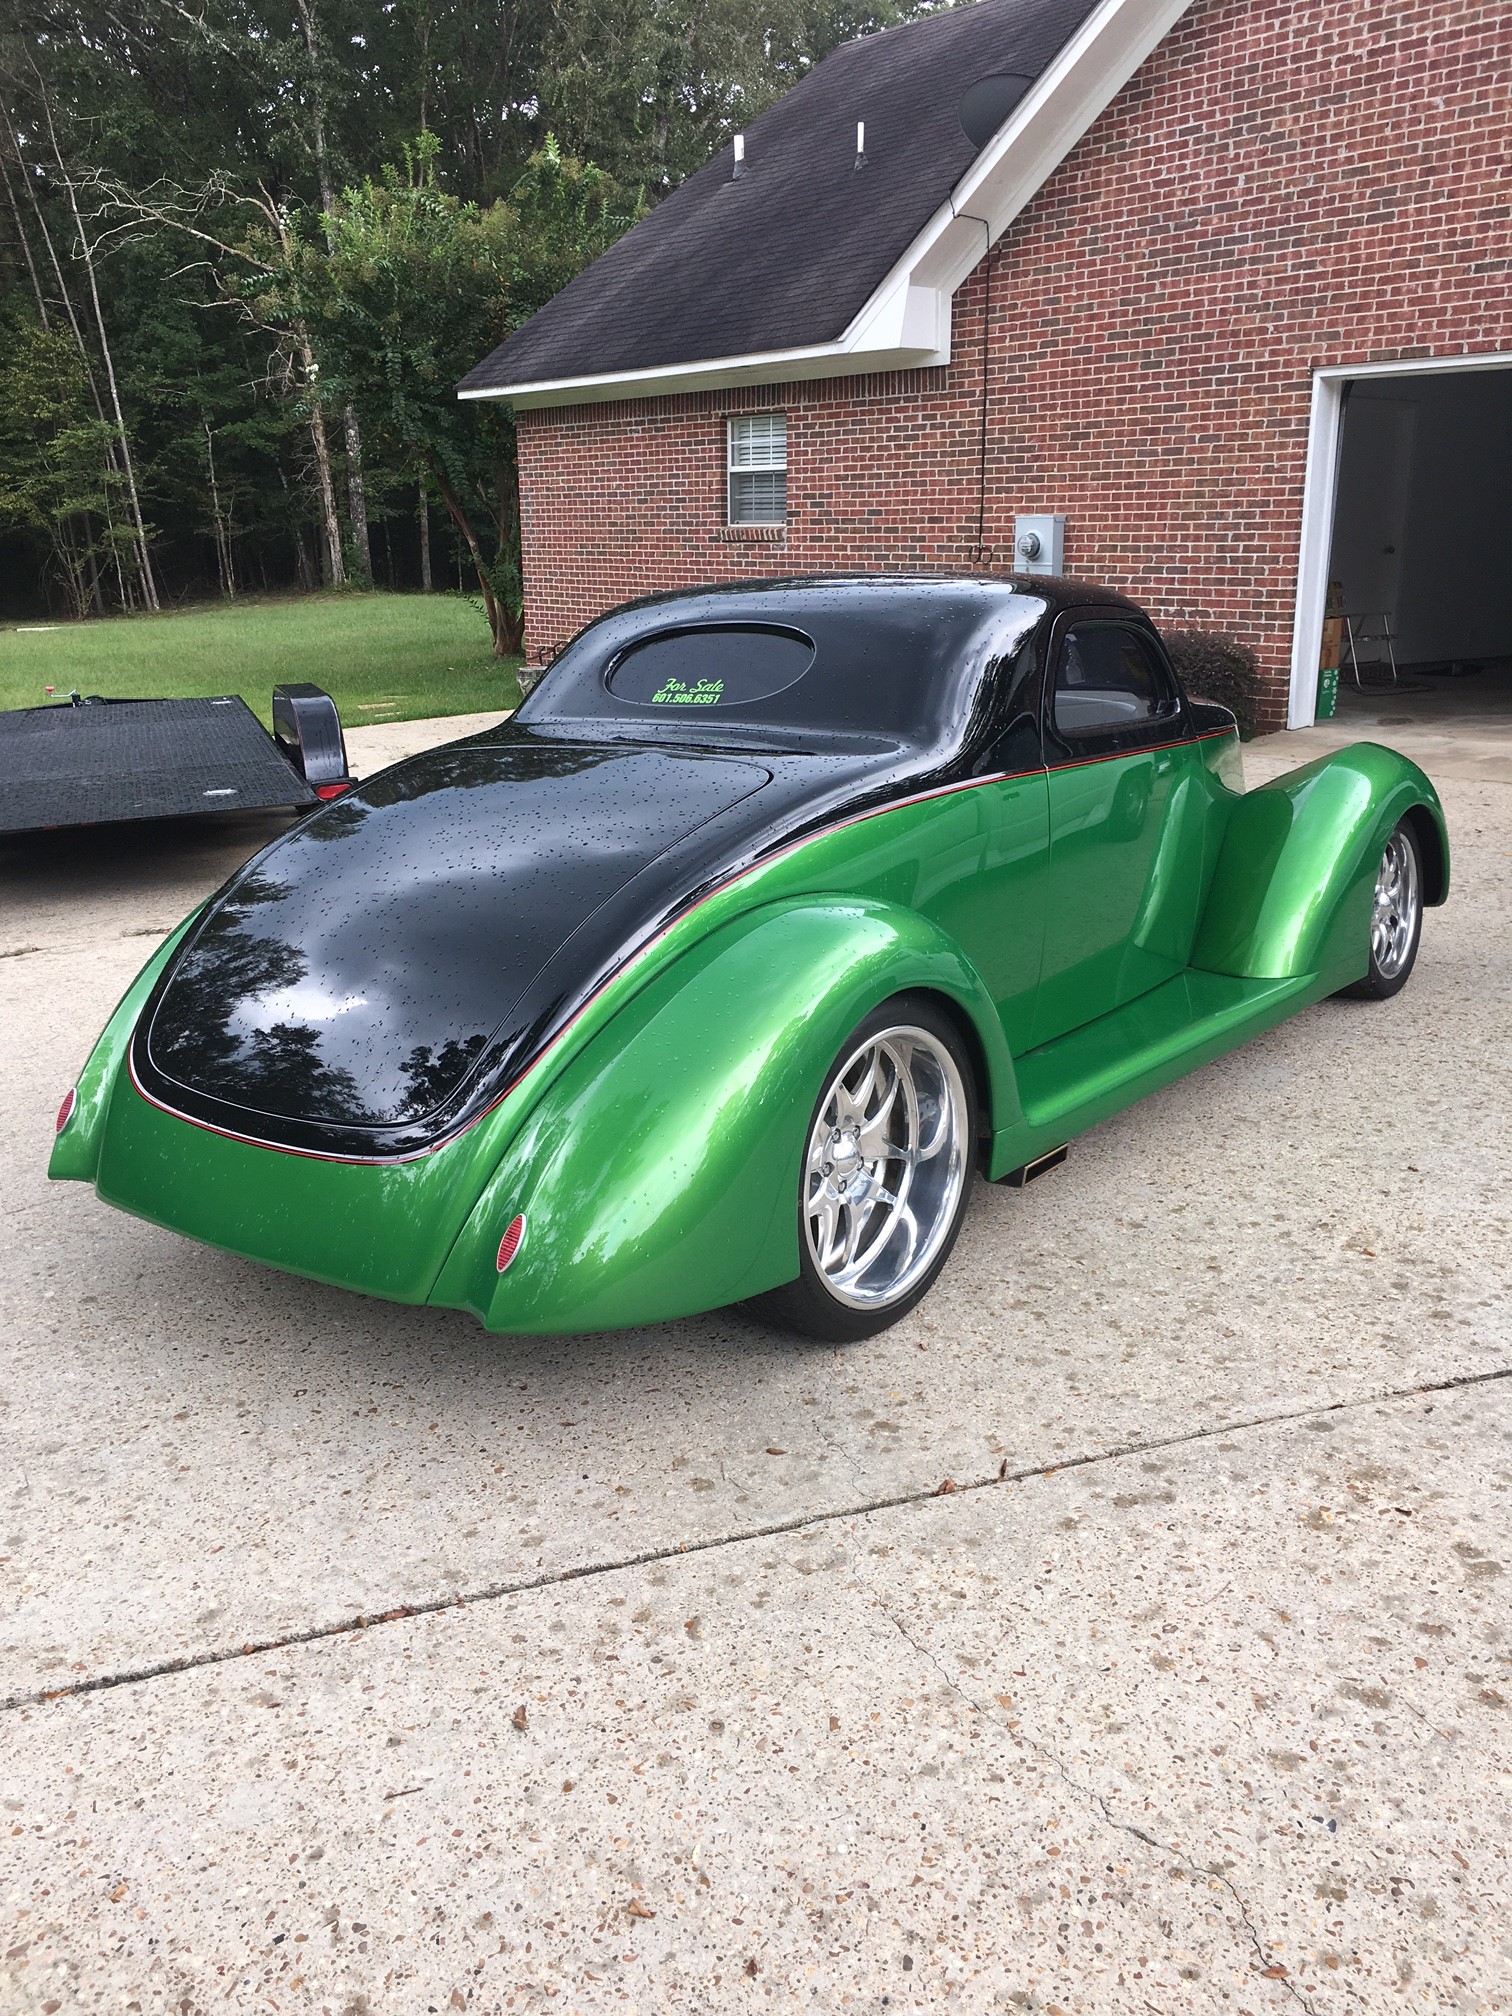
[782, 271]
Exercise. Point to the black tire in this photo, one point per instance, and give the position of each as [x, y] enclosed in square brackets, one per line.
[811, 1305]
[1396, 924]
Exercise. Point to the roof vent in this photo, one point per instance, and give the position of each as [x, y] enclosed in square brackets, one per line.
[860, 143]
[986, 104]
[739, 169]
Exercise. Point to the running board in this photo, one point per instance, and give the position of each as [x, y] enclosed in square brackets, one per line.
[1069, 1085]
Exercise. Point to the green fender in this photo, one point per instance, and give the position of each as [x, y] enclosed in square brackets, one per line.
[1292, 891]
[76, 1151]
[657, 1175]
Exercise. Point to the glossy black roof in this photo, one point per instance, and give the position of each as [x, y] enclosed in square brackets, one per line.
[946, 598]
[884, 656]
[788, 254]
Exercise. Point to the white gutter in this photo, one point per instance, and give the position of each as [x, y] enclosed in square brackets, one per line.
[906, 321]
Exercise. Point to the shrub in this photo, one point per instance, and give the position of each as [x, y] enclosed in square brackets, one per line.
[1215, 666]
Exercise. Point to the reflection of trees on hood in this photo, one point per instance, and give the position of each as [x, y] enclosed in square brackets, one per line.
[476, 764]
[192, 1038]
[279, 1068]
[433, 1074]
[336, 821]
[191, 1034]
[467, 768]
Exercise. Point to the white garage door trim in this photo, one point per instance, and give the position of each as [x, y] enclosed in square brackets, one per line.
[1320, 487]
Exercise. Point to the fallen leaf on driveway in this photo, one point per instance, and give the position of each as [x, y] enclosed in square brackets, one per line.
[638, 1910]
[946, 1488]
[518, 1717]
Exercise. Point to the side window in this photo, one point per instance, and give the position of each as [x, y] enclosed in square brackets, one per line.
[758, 469]
[1109, 685]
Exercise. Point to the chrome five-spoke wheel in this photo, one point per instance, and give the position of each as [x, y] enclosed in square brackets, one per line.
[886, 1165]
[885, 1174]
[1396, 918]
[1394, 915]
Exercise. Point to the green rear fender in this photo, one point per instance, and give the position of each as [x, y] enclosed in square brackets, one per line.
[657, 1175]
[76, 1151]
[1292, 891]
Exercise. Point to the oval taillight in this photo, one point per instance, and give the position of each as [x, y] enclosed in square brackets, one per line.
[66, 1110]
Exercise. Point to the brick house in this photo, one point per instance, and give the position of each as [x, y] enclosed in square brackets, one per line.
[1187, 274]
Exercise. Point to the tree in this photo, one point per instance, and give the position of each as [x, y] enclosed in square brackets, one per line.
[652, 88]
[55, 473]
[406, 289]
[230, 129]
[213, 434]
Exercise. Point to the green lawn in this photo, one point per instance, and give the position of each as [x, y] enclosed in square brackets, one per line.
[381, 657]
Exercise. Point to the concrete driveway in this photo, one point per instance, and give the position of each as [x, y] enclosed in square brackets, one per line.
[1127, 1630]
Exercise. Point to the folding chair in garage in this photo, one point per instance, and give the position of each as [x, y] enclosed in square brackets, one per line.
[1370, 627]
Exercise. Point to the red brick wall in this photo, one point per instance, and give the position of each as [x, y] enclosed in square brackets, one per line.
[883, 472]
[1285, 183]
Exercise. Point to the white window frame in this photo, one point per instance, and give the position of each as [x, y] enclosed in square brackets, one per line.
[739, 461]
[1319, 494]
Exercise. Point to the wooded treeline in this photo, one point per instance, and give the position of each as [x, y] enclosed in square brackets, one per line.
[248, 246]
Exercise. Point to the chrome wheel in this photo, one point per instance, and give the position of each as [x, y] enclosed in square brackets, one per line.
[1395, 912]
[887, 1160]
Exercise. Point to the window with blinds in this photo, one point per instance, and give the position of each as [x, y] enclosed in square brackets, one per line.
[758, 469]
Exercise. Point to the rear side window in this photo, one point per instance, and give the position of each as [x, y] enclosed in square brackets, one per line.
[1109, 683]
[711, 667]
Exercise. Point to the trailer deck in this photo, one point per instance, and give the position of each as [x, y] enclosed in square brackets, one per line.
[91, 762]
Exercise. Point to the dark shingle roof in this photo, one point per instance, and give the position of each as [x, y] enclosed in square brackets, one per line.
[786, 256]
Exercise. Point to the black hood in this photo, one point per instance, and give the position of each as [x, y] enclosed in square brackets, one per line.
[358, 974]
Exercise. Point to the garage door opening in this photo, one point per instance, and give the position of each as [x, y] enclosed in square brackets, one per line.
[1408, 535]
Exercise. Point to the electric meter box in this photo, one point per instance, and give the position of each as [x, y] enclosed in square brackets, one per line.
[1039, 543]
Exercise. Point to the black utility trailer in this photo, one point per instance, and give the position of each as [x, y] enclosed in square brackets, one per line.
[86, 762]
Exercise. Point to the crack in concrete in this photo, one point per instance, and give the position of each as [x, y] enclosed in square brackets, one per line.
[842, 1453]
[680, 1550]
[1098, 1803]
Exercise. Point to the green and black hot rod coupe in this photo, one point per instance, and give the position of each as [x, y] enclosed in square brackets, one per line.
[774, 915]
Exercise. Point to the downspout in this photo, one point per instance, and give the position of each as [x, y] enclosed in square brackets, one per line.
[986, 263]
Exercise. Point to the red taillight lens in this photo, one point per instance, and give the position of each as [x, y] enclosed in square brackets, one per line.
[331, 790]
[66, 1110]
[509, 1245]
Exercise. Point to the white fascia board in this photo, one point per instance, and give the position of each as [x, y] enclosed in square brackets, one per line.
[773, 367]
[906, 321]
[1053, 115]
